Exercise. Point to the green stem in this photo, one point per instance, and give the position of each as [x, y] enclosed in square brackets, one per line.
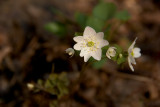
[83, 69]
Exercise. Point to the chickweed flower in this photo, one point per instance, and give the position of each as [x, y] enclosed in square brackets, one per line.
[90, 44]
[70, 51]
[111, 52]
[132, 54]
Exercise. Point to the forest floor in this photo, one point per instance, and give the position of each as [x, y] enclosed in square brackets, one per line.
[29, 53]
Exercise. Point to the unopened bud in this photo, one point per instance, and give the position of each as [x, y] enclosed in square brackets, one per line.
[30, 86]
[120, 55]
[111, 52]
[70, 51]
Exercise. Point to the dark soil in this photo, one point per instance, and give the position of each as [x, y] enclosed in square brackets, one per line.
[29, 53]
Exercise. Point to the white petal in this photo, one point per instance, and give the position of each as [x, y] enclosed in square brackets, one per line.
[86, 57]
[69, 50]
[108, 56]
[97, 54]
[132, 59]
[113, 47]
[77, 46]
[137, 52]
[83, 52]
[89, 32]
[113, 54]
[102, 43]
[130, 65]
[78, 38]
[136, 49]
[132, 45]
[100, 35]
[137, 55]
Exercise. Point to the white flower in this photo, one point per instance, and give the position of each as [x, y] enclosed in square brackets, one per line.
[90, 44]
[111, 52]
[70, 51]
[132, 54]
[30, 86]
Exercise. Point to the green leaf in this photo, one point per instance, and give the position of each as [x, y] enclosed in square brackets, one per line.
[99, 64]
[52, 91]
[107, 31]
[122, 15]
[104, 11]
[95, 23]
[53, 103]
[56, 84]
[62, 89]
[56, 28]
[81, 19]
[47, 84]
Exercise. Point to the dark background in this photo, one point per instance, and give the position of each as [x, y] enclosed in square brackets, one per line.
[28, 53]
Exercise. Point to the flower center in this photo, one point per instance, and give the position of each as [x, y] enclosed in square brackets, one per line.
[111, 51]
[90, 44]
[70, 53]
[132, 53]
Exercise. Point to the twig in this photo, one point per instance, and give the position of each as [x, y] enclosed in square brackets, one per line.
[134, 77]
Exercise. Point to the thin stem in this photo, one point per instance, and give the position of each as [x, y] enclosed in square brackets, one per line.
[129, 76]
[85, 66]
[82, 71]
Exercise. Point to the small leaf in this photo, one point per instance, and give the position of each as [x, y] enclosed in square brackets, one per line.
[104, 11]
[95, 23]
[48, 84]
[122, 15]
[52, 91]
[107, 31]
[56, 28]
[56, 84]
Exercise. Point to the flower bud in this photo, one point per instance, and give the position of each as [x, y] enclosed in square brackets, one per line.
[111, 52]
[70, 51]
[120, 55]
[30, 86]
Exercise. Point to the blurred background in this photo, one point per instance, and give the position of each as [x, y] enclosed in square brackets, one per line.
[34, 35]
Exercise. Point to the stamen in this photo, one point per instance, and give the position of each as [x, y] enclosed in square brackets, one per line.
[132, 53]
[90, 44]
